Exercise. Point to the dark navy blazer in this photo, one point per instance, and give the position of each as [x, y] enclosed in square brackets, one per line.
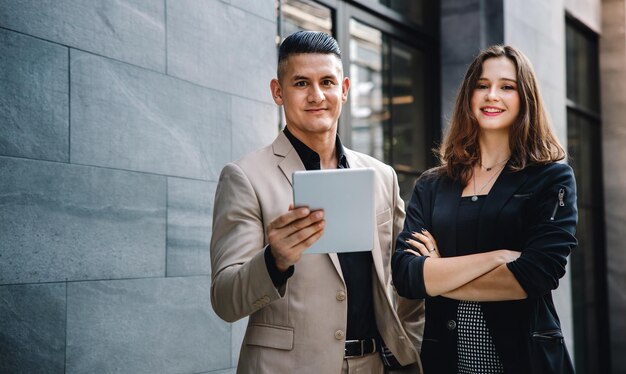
[532, 211]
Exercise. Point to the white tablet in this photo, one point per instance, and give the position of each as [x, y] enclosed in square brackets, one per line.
[347, 197]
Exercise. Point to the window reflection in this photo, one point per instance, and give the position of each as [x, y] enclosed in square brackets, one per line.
[305, 15]
[368, 108]
[412, 9]
[387, 102]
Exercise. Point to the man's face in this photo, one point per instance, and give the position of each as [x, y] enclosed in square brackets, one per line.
[311, 90]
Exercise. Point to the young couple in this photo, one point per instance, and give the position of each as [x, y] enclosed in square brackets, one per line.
[461, 284]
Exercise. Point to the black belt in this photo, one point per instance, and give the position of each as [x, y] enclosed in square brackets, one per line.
[359, 347]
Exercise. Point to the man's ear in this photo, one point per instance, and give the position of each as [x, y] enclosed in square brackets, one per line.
[277, 93]
[345, 87]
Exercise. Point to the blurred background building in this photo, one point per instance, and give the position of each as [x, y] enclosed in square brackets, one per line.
[117, 117]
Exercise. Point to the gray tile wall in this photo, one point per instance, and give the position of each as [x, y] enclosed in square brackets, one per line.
[115, 121]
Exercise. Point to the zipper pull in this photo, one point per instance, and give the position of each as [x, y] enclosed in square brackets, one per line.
[559, 203]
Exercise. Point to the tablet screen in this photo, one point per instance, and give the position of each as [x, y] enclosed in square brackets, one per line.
[347, 198]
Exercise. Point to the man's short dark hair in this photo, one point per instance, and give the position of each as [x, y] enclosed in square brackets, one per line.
[306, 42]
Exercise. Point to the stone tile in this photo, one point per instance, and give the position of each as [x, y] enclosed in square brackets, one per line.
[238, 331]
[202, 52]
[189, 221]
[130, 118]
[33, 98]
[32, 328]
[65, 222]
[262, 8]
[255, 125]
[132, 31]
[158, 325]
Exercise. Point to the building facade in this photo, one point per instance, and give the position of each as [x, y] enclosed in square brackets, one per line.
[117, 118]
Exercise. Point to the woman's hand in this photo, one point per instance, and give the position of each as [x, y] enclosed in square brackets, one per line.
[425, 244]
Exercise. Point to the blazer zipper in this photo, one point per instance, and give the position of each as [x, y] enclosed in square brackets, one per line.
[559, 203]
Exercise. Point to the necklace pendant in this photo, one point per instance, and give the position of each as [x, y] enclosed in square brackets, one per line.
[474, 198]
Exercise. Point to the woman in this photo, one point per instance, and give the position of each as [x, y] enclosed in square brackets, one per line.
[488, 232]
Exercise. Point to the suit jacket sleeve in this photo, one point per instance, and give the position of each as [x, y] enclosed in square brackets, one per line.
[408, 269]
[410, 312]
[240, 282]
[550, 232]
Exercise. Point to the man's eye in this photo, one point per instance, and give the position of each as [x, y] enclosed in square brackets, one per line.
[328, 82]
[300, 84]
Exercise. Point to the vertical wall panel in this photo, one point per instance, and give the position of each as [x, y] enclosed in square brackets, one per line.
[189, 220]
[32, 328]
[34, 98]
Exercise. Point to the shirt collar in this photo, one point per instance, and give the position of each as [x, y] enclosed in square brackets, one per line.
[310, 158]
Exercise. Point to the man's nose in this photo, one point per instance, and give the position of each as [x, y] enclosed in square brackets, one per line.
[315, 94]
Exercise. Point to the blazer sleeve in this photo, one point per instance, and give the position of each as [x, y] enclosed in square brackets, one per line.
[410, 312]
[240, 283]
[408, 269]
[550, 233]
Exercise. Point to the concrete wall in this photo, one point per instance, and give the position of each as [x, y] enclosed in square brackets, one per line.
[116, 119]
[612, 78]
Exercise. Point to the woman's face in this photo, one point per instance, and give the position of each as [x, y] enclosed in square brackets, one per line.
[495, 101]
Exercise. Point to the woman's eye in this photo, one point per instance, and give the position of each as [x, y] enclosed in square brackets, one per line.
[481, 86]
[508, 88]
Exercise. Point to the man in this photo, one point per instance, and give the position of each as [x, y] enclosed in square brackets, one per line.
[309, 313]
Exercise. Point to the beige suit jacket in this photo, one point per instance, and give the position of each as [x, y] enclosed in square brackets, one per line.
[301, 326]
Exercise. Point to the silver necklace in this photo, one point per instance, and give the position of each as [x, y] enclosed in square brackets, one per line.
[493, 166]
[475, 197]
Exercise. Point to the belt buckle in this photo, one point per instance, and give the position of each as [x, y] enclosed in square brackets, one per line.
[362, 346]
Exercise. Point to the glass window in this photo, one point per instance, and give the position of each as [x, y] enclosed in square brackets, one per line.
[583, 146]
[368, 99]
[305, 15]
[582, 70]
[387, 102]
[412, 9]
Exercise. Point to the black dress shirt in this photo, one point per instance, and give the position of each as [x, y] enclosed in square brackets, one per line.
[355, 266]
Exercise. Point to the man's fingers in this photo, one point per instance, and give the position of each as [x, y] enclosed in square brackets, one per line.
[287, 218]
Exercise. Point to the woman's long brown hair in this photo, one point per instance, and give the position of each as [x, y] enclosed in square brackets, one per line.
[531, 139]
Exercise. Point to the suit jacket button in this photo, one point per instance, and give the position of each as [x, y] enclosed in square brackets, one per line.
[339, 334]
[340, 296]
[451, 324]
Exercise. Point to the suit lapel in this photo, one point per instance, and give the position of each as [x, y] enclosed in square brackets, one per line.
[505, 185]
[289, 160]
